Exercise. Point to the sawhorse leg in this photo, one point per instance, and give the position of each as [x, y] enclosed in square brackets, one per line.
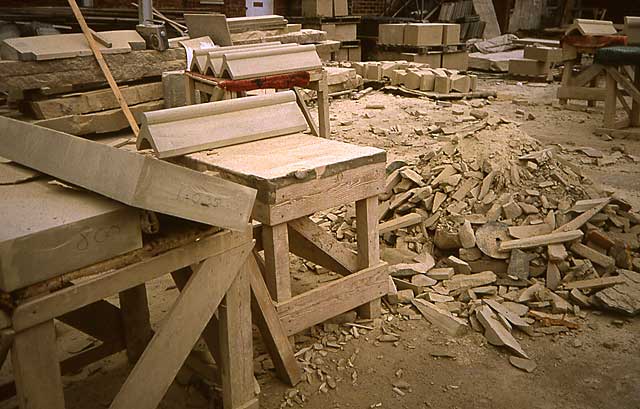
[36, 368]
[368, 246]
[567, 73]
[323, 107]
[634, 120]
[610, 102]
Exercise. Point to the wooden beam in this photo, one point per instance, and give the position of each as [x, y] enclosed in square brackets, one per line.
[236, 342]
[134, 179]
[625, 83]
[273, 333]
[135, 320]
[275, 242]
[309, 241]
[327, 301]
[39, 310]
[368, 246]
[586, 75]
[88, 35]
[168, 349]
[36, 368]
[313, 127]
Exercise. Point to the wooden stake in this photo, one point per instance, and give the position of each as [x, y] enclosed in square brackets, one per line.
[104, 67]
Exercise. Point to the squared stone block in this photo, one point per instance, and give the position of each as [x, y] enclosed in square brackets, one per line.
[546, 54]
[457, 61]
[423, 34]
[340, 8]
[450, 34]
[527, 67]
[317, 8]
[345, 32]
[391, 34]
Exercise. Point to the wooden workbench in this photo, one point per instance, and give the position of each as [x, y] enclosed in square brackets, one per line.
[297, 175]
[213, 270]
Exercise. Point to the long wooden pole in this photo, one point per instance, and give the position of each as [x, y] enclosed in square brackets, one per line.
[104, 67]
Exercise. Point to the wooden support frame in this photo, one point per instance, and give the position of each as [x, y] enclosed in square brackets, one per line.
[581, 86]
[629, 81]
[220, 281]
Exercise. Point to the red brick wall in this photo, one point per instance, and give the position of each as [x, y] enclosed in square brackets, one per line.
[366, 7]
[232, 8]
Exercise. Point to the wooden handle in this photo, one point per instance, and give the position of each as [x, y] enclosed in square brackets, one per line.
[104, 67]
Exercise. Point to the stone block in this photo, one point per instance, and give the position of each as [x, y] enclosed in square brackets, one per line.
[450, 34]
[423, 34]
[317, 8]
[457, 60]
[391, 33]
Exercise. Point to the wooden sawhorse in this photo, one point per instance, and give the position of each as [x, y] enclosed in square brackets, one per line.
[622, 78]
[583, 86]
[297, 175]
[214, 271]
[317, 81]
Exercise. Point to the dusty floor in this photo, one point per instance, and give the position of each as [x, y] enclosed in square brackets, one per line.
[597, 366]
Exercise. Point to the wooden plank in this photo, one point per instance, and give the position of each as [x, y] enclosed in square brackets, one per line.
[275, 242]
[104, 67]
[39, 310]
[610, 100]
[94, 101]
[134, 179]
[210, 333]
[585, 76]
[542, 240]
[236, 342]
[273, 333]
[152, 375]
[334, 298]
[99, 122]
[135, 320]
[368, 243]
[36, 369]
[321, 246]
[305, 111]
[193, 128]
[634, 115]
